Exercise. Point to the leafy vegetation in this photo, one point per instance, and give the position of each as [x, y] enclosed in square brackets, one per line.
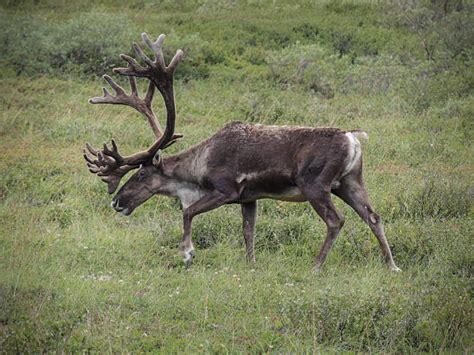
[75, 276]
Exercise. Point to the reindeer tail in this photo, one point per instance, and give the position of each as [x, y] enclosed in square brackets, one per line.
[358, 133]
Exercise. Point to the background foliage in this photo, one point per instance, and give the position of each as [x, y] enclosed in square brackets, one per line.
[74, 276]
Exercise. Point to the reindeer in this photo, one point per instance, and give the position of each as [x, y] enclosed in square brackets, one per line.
[241, 163]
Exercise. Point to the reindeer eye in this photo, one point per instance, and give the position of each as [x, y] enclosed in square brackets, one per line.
[141, 174]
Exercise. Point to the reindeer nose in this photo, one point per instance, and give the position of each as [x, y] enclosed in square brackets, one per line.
[115, 205]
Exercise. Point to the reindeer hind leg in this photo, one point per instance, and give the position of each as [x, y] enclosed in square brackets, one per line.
[353, 192]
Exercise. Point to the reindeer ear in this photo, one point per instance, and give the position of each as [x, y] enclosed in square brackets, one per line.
[157, 160]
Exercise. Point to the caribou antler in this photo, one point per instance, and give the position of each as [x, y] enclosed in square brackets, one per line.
[132, 100]
[108, 163]
[94, 160]
[161, 75]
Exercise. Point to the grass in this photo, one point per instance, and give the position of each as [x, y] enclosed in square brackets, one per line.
[75, 276]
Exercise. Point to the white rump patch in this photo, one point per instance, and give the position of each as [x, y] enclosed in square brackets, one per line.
[360, 134]
[354, 150]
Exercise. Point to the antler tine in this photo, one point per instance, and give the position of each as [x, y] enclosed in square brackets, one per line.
[175, 61]
[114, 154]
[118, 89]
[90, 149]
[104, 160]
[133, 68]
[133, 85]
[108, 98]
[149, 94]
[120, 97]
[156, 47]
[142, 54]
[132, 100]
[103, 167]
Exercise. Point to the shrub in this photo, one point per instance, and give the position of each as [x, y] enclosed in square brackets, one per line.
[375, 75]
[442, 28]
[308, 66]
[432, 84]
[89, 43]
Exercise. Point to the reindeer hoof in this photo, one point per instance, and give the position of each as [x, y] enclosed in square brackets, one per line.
[317, 269]
[188, 256]
[394, 268]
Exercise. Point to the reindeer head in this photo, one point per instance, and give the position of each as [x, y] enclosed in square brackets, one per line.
[146, 182]
[108, 163]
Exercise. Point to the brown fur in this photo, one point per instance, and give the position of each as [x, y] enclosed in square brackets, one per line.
[276, 153]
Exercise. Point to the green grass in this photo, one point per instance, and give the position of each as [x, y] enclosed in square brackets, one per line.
[75, 276]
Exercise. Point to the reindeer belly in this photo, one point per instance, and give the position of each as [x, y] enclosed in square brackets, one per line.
[268, 184]
[291, 194]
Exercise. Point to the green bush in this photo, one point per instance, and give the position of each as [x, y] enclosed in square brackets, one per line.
[442, 27]
[307, 66]
[432, 84]
[375, 75]
[87, 44]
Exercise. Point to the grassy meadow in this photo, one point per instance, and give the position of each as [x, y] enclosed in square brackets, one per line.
[77, 277]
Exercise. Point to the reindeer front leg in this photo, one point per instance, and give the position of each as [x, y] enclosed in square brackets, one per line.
[249, 214]
[207, 203]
